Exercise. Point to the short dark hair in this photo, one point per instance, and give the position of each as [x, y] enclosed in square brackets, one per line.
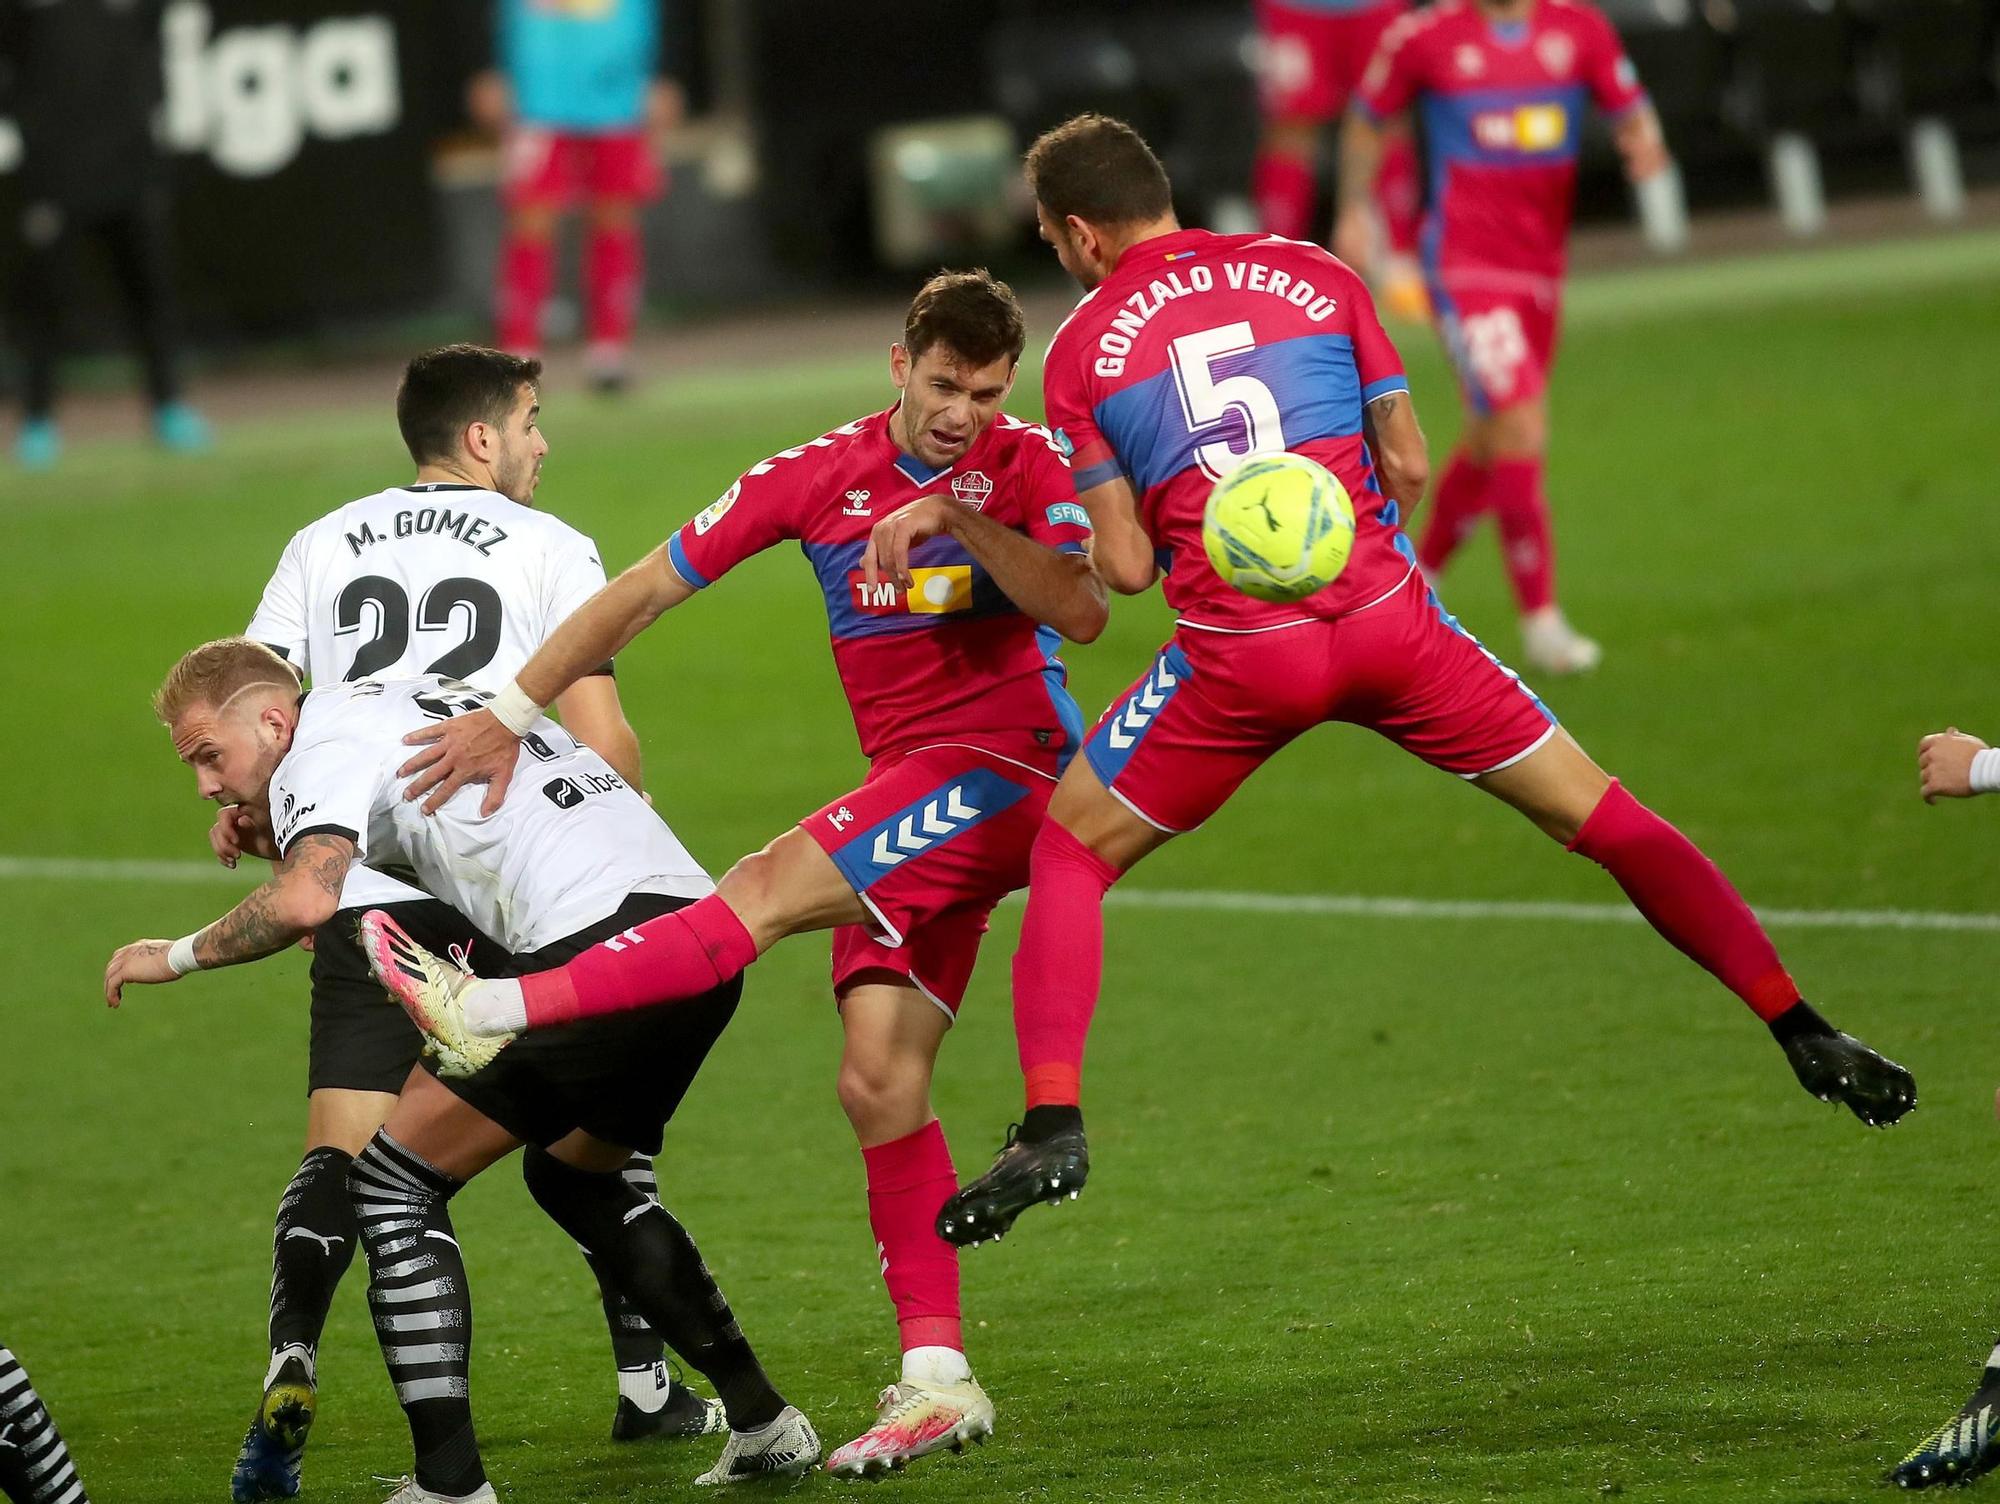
[447, 388]
[1100, 170]
[972, 314]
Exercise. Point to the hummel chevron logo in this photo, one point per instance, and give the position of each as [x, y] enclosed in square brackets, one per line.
[916, 832]
[623, 939]
[1123, 732]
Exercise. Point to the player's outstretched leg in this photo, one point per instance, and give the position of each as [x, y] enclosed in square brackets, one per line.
[312, 1245]
[35, 1466]
[788, 888]
[1696, 909]
[653, 1403]
[655, 1262]
[1963, 1447]
[422, 1308]
[1088, 842]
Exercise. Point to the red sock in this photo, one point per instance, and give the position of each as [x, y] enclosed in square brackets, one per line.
[1400, 194]
[1527, 537]
[613, 273]
[527, 275]
[1687, 899]
[1460, 500]
[1060, 965]
[909, 1181]
[665, 960]
[1286, 194]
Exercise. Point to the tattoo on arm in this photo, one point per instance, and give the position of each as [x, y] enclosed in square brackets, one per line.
[262, 925]
[1384, 406]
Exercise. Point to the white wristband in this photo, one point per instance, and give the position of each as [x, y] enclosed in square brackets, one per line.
[180, 956]
[514, 710]
[1985, 774]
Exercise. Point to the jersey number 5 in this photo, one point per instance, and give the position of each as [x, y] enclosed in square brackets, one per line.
[436, 612]
[1206, 401]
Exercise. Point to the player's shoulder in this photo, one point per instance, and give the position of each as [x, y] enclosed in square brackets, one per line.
[801, 463]
[1023, 441]
[1580, 17]
[1415, 27]
[1301, 257]
[1090, 308]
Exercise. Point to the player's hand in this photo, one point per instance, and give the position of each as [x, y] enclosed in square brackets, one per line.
[1646, 158]
[238, 832]
[471, 748]
[489, 101]
[1354, 237]
[1944, 764]
[891, 539]
[666, 105]
[141, 961]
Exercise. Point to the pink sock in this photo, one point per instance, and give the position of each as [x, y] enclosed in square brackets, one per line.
[1527, 536]
[1687, 899]
[1400, 194]
[1060, 965]
[1455, 509]
[665, 960]
[613, 273]
[527, 275]
[909, 1181]
[1283, 186]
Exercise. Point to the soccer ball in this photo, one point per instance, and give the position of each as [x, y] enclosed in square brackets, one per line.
[1278, 527]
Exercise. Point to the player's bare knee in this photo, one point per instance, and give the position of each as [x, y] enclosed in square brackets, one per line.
[882, 1097]
[1519, 432]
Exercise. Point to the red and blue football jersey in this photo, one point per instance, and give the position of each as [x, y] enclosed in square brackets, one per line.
[1501, 105]
[1200, 350]
[951, 657]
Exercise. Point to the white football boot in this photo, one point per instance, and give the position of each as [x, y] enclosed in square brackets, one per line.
[787, 1447]
[1550, 645]
[432, 992]
[409, 1491]
[913, 1420]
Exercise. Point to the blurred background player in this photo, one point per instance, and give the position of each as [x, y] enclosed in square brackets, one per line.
[1500, 86]
[1152, 426]
[85, 85]
[1953, 765]
[949, 547]
[578, 93]
[454, 572]
[35, 1466]
[1310, 56]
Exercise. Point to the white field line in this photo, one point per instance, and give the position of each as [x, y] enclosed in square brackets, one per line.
[1313, 905]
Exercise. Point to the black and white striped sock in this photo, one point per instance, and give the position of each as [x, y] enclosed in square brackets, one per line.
[35, 1466]
[422, 1307]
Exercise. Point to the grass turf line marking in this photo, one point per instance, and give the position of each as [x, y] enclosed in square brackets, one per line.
[1328, 905]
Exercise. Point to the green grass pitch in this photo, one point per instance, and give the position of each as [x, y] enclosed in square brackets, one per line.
[1384, 1209]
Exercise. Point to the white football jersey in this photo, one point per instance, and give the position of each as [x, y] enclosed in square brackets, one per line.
[567, 845]
[423, 579]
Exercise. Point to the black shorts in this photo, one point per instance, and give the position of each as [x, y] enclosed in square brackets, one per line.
[620, 1077]
[361, 1041]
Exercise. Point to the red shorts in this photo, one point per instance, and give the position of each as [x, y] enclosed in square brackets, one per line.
[548, 169]
[1310, 61]
[1502, 340]
[1214, 706]
[931, 842]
